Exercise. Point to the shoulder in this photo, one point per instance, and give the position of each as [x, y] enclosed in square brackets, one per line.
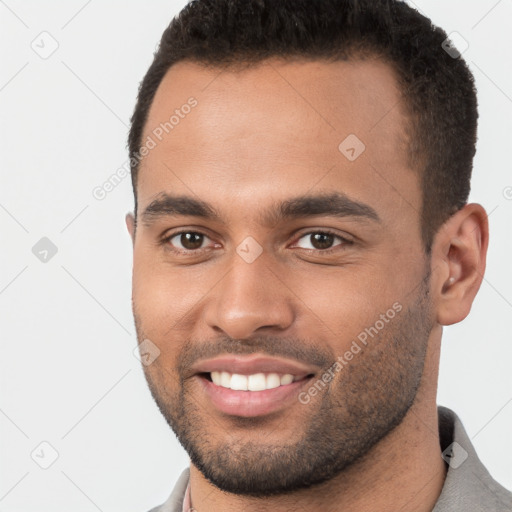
[468, 485]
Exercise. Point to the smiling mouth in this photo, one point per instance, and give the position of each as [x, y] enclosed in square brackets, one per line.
[254, 382]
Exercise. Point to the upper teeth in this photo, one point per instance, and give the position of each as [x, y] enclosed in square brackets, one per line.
[255, 382]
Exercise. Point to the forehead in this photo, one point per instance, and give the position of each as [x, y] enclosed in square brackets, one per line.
[277, 129]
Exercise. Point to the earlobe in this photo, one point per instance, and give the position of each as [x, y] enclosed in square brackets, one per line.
[459, 253]
[130, 224]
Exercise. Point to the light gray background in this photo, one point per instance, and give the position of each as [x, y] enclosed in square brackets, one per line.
[68, 374]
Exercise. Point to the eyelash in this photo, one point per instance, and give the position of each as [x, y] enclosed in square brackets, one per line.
[165, 241]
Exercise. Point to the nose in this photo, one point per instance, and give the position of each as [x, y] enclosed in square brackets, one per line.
[250, 297]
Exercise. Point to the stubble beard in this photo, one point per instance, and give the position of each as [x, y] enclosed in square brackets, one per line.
[368, 399]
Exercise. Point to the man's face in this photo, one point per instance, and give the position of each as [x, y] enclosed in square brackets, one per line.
[330, 294]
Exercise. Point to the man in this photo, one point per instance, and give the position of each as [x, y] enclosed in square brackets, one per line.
[301, 236]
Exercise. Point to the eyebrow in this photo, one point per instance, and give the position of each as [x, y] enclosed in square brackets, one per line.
[331, 205]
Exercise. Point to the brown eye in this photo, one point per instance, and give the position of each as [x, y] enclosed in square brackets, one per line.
[321, 241]
[191, 240]
[187, 240]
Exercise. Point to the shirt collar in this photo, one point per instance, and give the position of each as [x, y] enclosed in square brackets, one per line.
[468, 485]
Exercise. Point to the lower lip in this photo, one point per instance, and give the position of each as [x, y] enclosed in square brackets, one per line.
[249, 404]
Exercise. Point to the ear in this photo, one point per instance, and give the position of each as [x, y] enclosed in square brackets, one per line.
[458, 258]
[130, 224]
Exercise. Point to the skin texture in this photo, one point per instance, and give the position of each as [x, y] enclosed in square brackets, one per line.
[257, 138]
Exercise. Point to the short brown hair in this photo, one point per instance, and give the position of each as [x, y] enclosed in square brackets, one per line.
[438, 88]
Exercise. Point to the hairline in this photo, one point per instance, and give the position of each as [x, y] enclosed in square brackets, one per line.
[408, 135]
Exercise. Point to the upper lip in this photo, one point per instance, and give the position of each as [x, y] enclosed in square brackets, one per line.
[248, 365]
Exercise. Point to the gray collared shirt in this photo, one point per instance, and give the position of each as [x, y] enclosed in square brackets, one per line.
[468, 486]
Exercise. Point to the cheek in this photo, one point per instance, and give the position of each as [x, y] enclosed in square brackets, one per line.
[149, 298]
[156, 289]
[166, 300]
[346, 303]
[154, 303]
